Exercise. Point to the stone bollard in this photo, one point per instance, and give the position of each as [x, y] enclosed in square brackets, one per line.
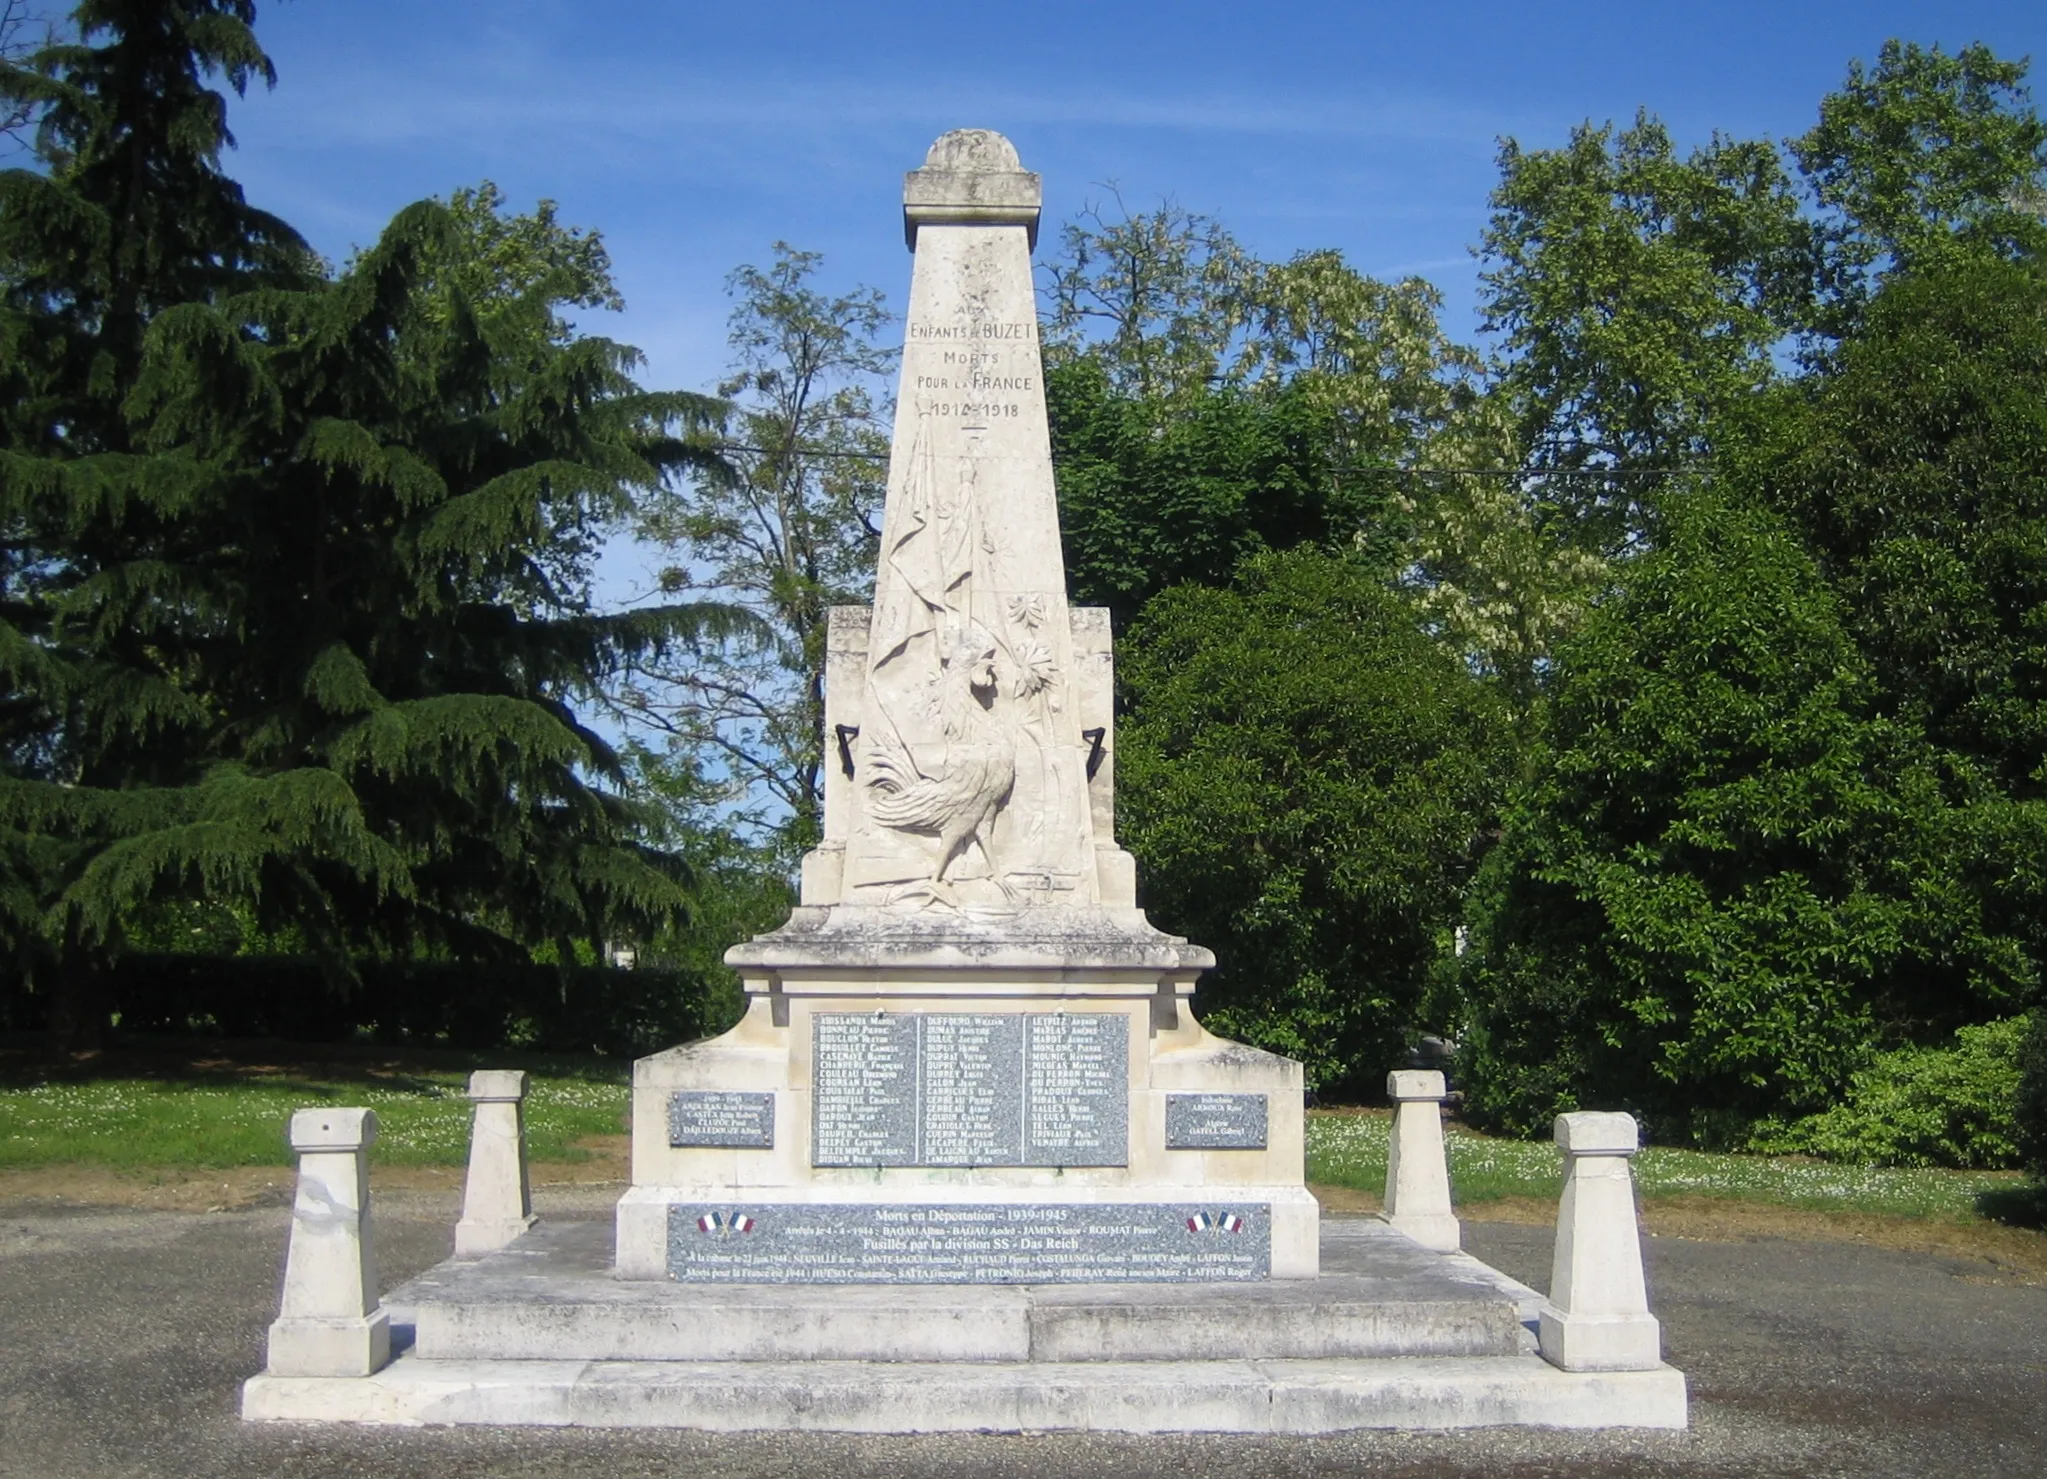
[497, 1203]
[1417, 1176]
[1598, 1315]
[329, 1323]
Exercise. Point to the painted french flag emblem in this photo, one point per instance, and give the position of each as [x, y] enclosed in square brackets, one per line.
[1215, 1222]
[725, 1223]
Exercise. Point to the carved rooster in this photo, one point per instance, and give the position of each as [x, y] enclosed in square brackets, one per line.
[958, 799]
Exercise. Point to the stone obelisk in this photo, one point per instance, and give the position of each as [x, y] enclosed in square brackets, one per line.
[968, 1057]
[970, 760]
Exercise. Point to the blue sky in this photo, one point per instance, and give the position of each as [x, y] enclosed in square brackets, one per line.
[694, 136]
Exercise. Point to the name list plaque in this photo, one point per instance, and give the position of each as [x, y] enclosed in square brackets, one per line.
[1215, 1122]
[718, 1119]
[942, 1243]
[970, 1089]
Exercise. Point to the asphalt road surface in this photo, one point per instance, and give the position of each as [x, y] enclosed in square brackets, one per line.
[124, 1337]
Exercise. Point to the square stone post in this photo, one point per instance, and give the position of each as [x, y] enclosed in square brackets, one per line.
[1598, 1315]
[497, 1202]
[1417, 1174]
[329, 1323]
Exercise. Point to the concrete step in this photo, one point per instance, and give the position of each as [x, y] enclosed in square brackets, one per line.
[551, 1296]
[1291, 1397]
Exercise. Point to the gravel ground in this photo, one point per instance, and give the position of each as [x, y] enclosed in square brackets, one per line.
[126, 1335]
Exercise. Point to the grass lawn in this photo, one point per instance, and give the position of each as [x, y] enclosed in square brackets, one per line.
[1349, 1149]
[227, 1105]
[202, 1105]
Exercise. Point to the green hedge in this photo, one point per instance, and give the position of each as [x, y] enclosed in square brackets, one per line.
[544, 1008]
[1949, 1105]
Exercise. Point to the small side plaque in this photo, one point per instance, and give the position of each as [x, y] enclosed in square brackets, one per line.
[975, 1243]
[737, 1121]
[1215, 1122]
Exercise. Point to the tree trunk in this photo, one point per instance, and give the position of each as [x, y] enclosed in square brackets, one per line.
[81, 1003]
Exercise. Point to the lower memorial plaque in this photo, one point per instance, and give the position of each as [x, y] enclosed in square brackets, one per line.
[969, 1243]
[719, 1118]
[1215, 1122]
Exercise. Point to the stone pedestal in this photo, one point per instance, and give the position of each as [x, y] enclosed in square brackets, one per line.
[1047, 1082]
[328, 1321]
[497, 1204]
[1417, 1174]
[1598, 1316]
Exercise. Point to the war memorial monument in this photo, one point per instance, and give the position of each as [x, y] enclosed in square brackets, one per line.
[969, 1161]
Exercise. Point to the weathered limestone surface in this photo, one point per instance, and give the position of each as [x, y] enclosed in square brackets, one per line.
[968, 863]
[1378, 1295]
[328, 1321]
[1599, 1319]
[497, 1204]
[1417, 1175]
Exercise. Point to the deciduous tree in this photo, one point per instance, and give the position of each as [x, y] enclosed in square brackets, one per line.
[785, 527]
[1304, 775]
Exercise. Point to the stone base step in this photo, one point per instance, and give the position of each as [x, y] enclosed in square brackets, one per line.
[1280, 1397]
[551, 1296]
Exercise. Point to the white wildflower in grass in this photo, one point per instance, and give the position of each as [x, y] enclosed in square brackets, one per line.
[1350, 1150]
[422, 1118]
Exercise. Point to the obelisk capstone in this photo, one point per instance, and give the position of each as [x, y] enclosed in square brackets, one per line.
[968, 1056]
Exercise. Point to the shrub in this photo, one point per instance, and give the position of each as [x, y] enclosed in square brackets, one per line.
[1923, 1106]
[1724, 872]
[1302, 774]
[2032, 1096]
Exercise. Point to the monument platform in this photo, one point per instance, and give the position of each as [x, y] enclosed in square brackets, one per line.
[1388, 1335]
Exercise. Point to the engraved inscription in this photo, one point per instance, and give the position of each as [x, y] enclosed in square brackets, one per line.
[978, 328]
[937, 1243]
[1215, 1122]
[971, 410]
[737, 1121]
[971, 1114]
[968, 1089]
[1076, 1088]
[863, 1102]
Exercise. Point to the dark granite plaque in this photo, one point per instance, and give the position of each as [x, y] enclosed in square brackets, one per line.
[1120, 1243]
[1076, 1083]
[971, 1089]
[970, 1110]
[1215, 1122]
[863, 1079]
[739, 1121]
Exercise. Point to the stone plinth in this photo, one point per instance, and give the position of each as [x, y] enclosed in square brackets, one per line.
[497, 1204]
[1598, 1316]
[1081, 1123]
[328, 1320]
[1390, 1336]
[1417, 1175]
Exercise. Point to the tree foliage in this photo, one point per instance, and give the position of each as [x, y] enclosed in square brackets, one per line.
[294, 597]
[784, 527]
[1916, 469]
[1147, 503]
[1786, 815]
[1726, 875]
[1303, 775]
